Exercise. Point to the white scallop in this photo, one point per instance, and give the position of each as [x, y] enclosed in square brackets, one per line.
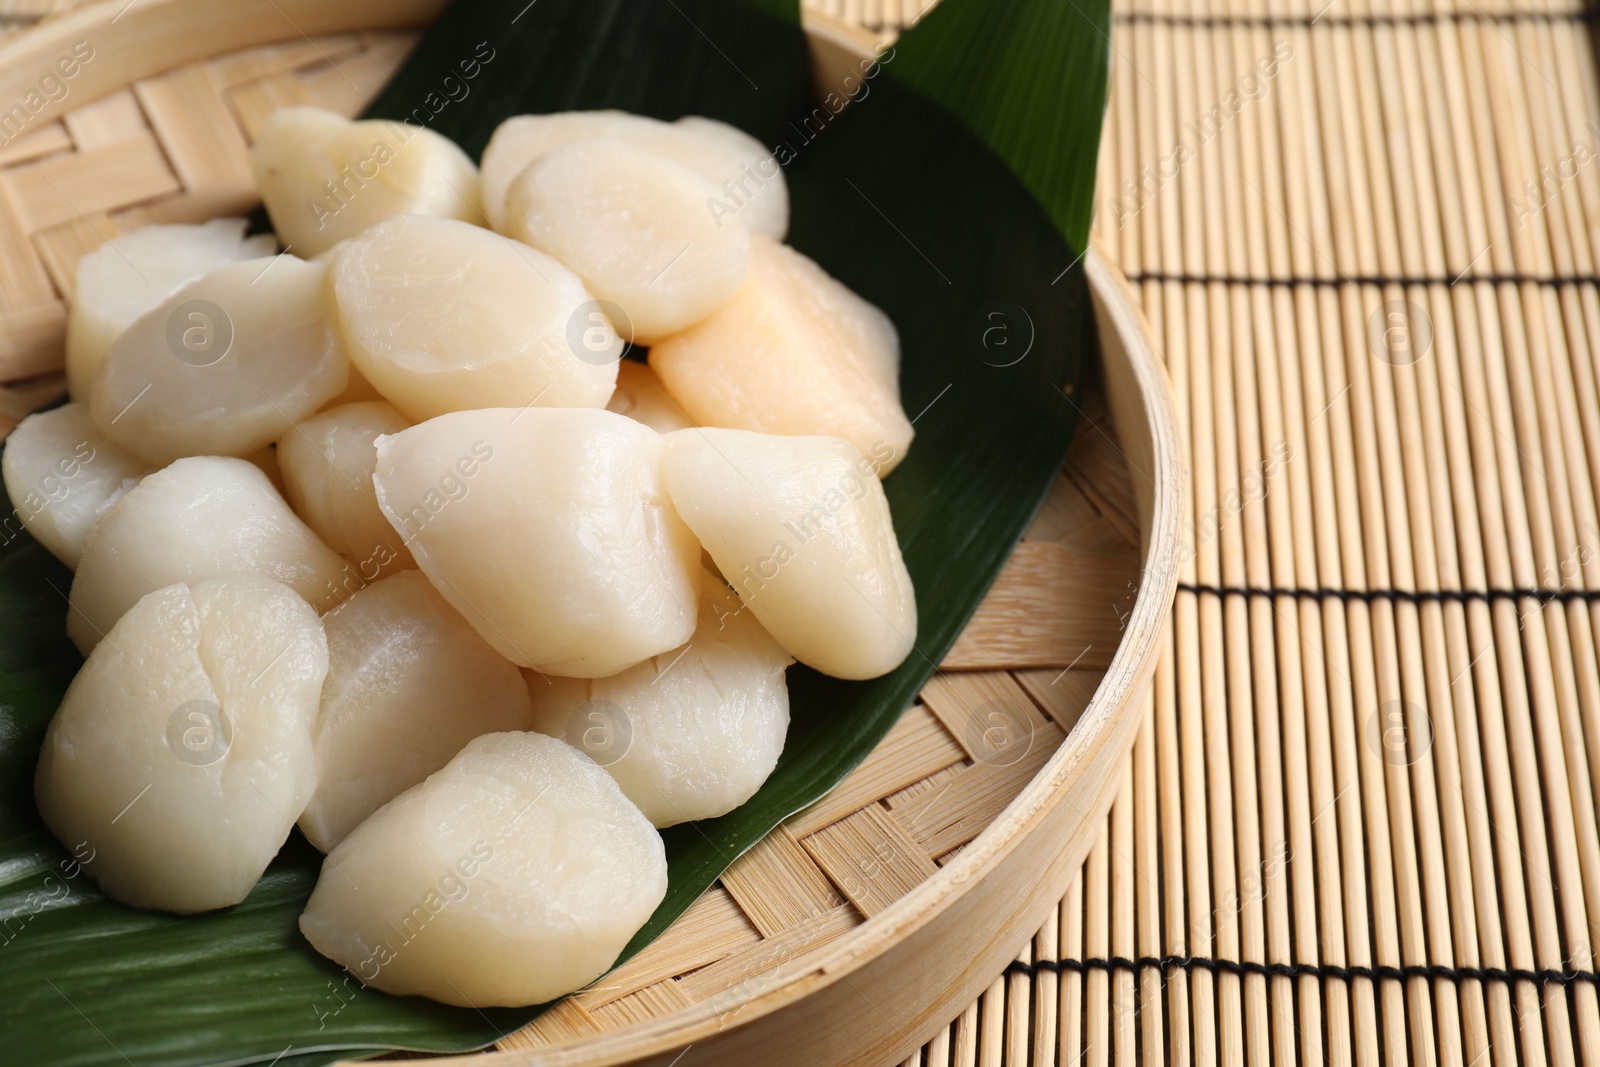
[327, 462]
[441, 316]
[747, 178]
[521, 139]
[409, 683]
[549, 529]
[224, 366]
[511, 877]
[62, 474]
[637, 227]
[134, 272]
[691, 733]
[794, 352]
[200, 518]
[324, 178]
[746, 173]
[801, 528]
[181, 754]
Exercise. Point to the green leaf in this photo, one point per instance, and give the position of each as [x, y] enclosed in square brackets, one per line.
[1030, 80]
[953, 194]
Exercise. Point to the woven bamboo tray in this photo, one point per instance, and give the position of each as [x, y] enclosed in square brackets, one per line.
[863, 925]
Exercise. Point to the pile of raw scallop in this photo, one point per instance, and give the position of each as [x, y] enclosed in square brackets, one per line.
[395, 536]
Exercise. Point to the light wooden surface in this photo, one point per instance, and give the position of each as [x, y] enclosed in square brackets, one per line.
[1292, 874]
[867, 922]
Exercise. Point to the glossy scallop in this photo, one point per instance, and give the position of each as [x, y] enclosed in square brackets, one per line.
[134, 272]
[201, 518]
[61, 474]
[747, 179]
[549, 529]
[801, 528]
[326, 462]
[511, 877]
[691, 733]
[636, 227]
[441, 316]
[324, 178]
[794, 352]
[521, 139]
[181, 754]
[409, 684]
[224, 366]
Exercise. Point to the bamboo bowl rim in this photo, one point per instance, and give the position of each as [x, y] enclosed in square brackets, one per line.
[149, 30]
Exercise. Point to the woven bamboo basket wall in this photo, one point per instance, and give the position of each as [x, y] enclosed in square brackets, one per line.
[864, 924]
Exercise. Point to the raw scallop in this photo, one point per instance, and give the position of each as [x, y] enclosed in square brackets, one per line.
[409, 683]
[801, 528]
[636, 227]
[134, 272]
[181, 754]
[748, 180]
[61, 475]
[327, 463]
[511, 877]
[324, 178]
[224, 366]
[441, 316]
[691, 733]
[548, 528]
[794, 352]
[202, 517]
[521, 139]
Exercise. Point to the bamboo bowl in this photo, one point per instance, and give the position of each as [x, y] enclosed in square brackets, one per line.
[865, 923]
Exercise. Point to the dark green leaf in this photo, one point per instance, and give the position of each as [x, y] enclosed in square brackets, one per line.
[1030, 80]
[909, 199]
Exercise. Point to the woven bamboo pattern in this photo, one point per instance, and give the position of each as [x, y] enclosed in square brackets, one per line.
[169, 149]
[174, 148]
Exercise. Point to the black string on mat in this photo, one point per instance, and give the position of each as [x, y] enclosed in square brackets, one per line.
[1410, 596]
[1426, 18]
[1554, 280]
[1430, 971]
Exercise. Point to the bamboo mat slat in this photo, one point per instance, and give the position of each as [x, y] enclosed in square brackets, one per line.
[1359, 823]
